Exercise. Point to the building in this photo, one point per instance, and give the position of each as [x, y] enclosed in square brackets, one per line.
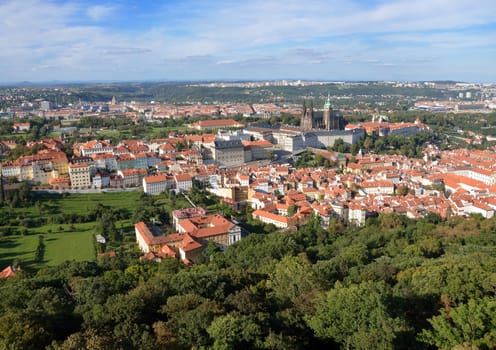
[326, 119]
[46, 105]
[187, 213]
[267, 217]
[211, 124]
[105, 161]
[184, 182]
[79, 175]
[132, 177]
[101, 180]
[21, 127]
[188, 243]
[228, 153]
[95, 146]
[256, 150]
[211, 228]
[154, 185]
[9, 271]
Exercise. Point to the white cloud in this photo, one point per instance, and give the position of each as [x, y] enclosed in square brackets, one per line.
[99, 12]
[313, 34]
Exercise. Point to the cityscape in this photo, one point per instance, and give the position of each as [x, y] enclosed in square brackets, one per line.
[250, 175]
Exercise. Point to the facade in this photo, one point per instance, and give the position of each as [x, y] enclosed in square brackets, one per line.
[188, 243]
[79, 175]
[105, 161]
[228, 153]
[267, 217]
[326, 119]
[132, 177]
[216, 124]
[95, 146]
[101, 180]
[184, 182]
[154, 185]
[356, 214]
[211, 228]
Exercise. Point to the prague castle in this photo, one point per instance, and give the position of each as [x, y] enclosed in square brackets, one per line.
[317, 129]
[326, 119]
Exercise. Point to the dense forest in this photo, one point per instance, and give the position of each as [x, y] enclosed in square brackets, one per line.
[393, 284]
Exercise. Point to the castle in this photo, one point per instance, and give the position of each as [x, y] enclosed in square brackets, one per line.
[326, 119]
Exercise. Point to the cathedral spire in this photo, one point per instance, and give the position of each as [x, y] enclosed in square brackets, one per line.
[328, 104]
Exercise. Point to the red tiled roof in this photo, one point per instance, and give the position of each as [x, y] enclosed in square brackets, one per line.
[155, 179]
[9, 271]
[189, 244]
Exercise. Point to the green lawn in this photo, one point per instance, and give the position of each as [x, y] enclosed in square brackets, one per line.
[59, 247]
[109, 133]
[79, 203]
[62, 241]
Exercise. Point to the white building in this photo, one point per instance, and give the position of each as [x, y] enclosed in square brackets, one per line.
[154, 185]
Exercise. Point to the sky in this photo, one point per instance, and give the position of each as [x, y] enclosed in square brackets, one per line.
[328, 40]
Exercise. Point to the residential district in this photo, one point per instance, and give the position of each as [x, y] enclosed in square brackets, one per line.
[253, 165]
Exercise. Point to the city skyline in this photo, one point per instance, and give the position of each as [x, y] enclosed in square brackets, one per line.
[225, 40]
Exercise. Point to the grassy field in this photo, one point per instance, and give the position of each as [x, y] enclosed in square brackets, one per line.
[59, 247]
[70, 203]
[109, 133]
[62, 241]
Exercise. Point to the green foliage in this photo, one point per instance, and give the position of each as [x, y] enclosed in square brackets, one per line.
[459, 277]
[471, 325]
[234, 331]
[189, 316]
[291, 278]
[40, 250]
[378, 286]
[356, 317]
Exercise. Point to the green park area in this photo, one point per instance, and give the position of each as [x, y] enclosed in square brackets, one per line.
[59, 247]
[67, 224]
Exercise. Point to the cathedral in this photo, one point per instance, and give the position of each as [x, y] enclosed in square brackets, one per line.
[326, 119]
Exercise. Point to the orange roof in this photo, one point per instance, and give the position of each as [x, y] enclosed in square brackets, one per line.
[9, 271]
[79, 165]
[183, 177]
[188, 244]
[272, 216]
[216, 123]
[258, 143]
[155, 178]
[206, 226]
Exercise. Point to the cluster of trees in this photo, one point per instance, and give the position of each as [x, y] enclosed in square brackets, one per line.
[15, 196]
[395, 283]
[396, 144]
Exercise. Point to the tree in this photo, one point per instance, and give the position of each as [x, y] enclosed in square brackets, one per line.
[235, 331]
[292, 210]
[188, 318]
[471, 325]
[402, 190]
[356, 317]
[291, 278]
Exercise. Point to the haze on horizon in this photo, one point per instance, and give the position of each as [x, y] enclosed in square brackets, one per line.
[91, 40]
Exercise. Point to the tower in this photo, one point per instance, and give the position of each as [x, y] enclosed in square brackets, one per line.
[306, 120]
[327, 114]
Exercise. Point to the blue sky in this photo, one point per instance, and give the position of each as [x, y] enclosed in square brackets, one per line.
[44, 40]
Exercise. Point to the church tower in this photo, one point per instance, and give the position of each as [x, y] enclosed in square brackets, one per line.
[327, 114]
[306, 120]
